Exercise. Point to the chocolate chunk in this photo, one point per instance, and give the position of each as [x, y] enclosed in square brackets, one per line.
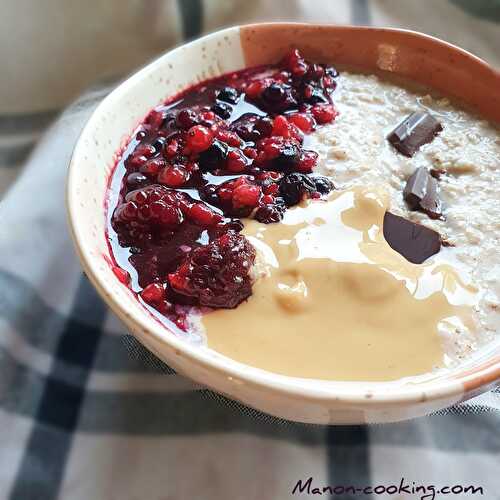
[413, 132]
[421, 193]
[437, 173]
[413, 241]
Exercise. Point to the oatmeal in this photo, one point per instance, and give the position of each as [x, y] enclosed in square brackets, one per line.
[401, 282]
[354, 152]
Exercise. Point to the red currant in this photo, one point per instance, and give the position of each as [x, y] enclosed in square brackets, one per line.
[199, 138]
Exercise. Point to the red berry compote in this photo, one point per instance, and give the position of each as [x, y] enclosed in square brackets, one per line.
[226, 149]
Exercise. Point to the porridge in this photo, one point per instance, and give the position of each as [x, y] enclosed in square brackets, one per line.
[315, 224]
[466, 155]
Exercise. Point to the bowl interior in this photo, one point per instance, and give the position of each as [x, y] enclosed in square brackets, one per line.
[406, 54]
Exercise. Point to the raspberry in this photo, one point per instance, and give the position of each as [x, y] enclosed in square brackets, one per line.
[203, 215]
[135, 161]
[186, 119]
[324, 113]
[304, 122]
[166, 215]
[254, 89]
[271, 189]
[300, 69]
[191, 167]
[307, 161]
[225, 194]
[122, 275]
[156, 118]
[282, 127]
[271, 147]
[171, 149]
[295, 63]
[207, 118]
[153, 294]
[149, 208]
[146, 150]
[199, 138]
[153, 166]
[246, 195]
[216, 275]
[270, 176]
[236, 161]
[250, 153]
[229, 138]
[173, 176]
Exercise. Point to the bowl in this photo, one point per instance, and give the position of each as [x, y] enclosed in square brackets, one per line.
[421, 58]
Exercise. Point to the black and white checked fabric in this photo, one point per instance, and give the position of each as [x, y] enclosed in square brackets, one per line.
[87, 413]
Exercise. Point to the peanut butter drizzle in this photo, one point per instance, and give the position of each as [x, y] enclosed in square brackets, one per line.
[333, 300]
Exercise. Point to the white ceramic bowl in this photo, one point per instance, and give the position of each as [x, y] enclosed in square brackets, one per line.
[411, 55]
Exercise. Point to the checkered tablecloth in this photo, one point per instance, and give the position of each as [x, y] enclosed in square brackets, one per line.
[87, 414]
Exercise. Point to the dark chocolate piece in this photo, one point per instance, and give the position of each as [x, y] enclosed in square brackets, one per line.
[437, 173]
[413, 132]
[413, 241]
[421, 193]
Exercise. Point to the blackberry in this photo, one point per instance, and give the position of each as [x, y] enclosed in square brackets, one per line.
[268, 214]
[137, 180]
[294, 186]
[274, 94]
[323, 184]
[186, 118]
[247, 127]
[217, 274]
[318, 97]
[214, 157]
[277, 97]
[222, 109]
[288, 157]
[158, 144]
[228, 94]
[265, 126]
[331, 72]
